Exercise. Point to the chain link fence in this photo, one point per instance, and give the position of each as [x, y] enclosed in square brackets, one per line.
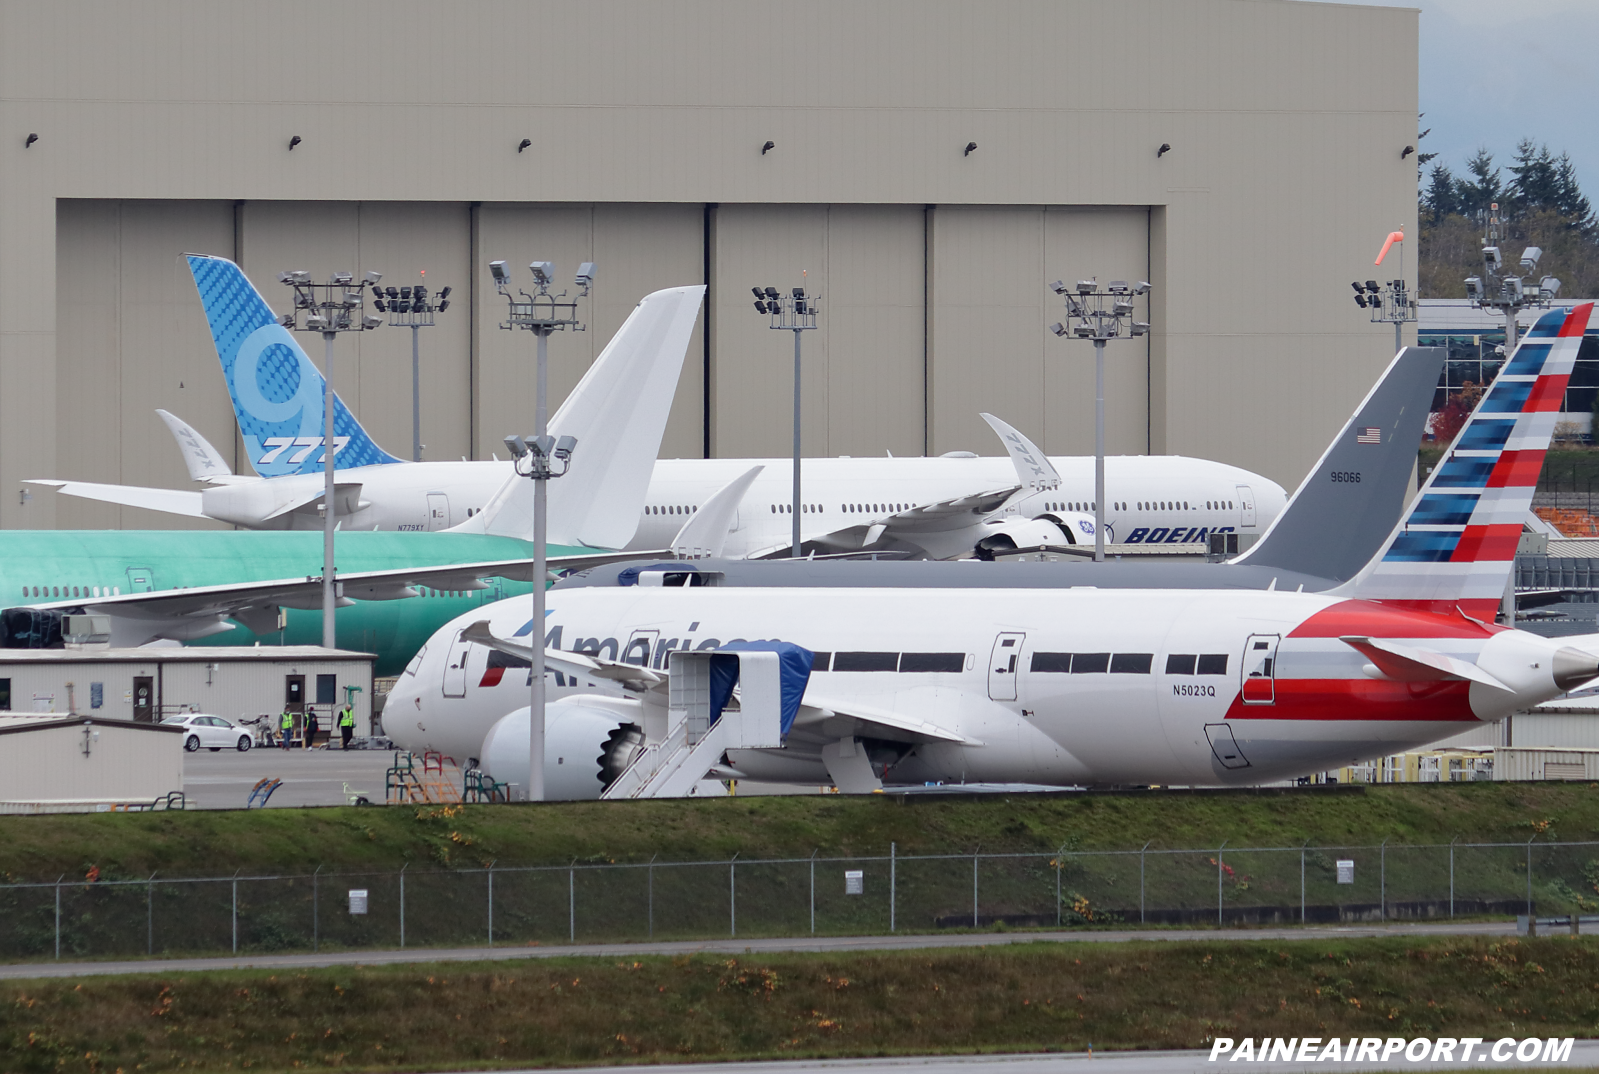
[331, 909]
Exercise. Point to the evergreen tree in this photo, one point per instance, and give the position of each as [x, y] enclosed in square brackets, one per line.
[1535, 187]
[1484, 188]
[1568, 198]
[1442, 197]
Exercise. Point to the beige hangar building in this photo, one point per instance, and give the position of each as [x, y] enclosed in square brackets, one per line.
[388, 135]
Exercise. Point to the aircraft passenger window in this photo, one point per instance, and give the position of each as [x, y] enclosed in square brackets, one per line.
[55, 590]
[932, 662]
[1090, 663]
[74, 591]
[1055, 662]
[1185, 505]
[865, 661]
[1213, 664]
[1180, 663]
[1131, 663]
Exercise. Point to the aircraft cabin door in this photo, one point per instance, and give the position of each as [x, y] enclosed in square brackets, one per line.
[1004, 665]
[455, 666]
[438, 511]
[1260, 669]
[141, 580]
[1246, 506]
[639, 647]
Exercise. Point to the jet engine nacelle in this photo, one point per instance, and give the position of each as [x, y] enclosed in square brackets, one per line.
[1052, 529]
[273, 504]
[588, 741]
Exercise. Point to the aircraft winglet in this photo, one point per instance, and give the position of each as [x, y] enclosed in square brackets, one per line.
[1033, 468]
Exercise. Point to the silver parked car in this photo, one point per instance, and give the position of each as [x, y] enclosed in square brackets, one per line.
[212, 732]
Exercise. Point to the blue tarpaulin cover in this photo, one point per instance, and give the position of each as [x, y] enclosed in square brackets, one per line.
[794, 671]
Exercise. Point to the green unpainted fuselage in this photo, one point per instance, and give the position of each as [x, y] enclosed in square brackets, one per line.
[59, 565]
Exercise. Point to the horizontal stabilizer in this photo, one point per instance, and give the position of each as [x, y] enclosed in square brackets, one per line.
[1405, 663]
[170, 501]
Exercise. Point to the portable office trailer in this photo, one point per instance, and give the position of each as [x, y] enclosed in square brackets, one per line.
[144, 685]
[1518, 763]
[72, 764]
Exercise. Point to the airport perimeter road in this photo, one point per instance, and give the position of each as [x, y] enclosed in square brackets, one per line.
[823, 944]
[223, 780]
[1584, 1055]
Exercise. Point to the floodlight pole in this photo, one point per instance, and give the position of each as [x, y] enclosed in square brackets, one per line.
[328, 308]
[1086, 306]
[1390, 301]
[413, 308]
[538, 458]
[1508, 293]
[795, 313]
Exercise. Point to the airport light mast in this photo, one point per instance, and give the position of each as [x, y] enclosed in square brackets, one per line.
[540, 457]
[791, 313]
[414, 308]
[1504, 293]
[328, 308]
[1100, 316]
[1391, 301]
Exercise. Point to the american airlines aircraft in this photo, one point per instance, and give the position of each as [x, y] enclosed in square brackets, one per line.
[944, 507]
[1092, 684]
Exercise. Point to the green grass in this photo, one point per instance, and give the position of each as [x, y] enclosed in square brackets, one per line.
[216, 843]
[1040, 997]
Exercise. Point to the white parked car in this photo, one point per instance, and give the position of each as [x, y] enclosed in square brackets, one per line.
[212, 732]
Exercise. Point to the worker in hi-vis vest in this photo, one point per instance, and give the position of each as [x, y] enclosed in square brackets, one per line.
[347, 723]
[286, 729]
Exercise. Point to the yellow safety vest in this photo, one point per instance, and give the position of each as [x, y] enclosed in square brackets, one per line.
[347, 717]
[286, 721]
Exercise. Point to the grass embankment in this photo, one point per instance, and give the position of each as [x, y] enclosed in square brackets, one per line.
[578, 1011]
[214, 843]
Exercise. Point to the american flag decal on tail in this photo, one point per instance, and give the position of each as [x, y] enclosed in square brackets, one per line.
[1368, 435]
[1456, 544]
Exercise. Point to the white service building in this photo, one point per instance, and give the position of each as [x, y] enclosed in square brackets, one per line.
[930, 165]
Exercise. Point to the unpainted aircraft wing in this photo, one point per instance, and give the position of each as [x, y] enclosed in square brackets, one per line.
[255, 604]
[820, 712]
[937, 530]
[170, 501]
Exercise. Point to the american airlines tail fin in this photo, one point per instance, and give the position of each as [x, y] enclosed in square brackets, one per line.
[205, 463]
[618, 414]
[1455, 546]
[276, 391]
[1348, 502]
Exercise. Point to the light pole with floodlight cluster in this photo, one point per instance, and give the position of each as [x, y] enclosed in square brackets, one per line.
[1390, 302]
[414, 308]
[1502, 292]
[790, 313]
[541, 458]
[1086, 306]
[328, 308]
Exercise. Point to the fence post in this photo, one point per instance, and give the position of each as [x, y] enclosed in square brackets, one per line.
[893, 884]
[491, 903]
[813, 893]
[1302, 880]
[649, 893]
[1141, 854]
[1382, 891]
[571, 903]
[1529, 876]
[316, 921]
[975, 855]
[1218, 881]
[235, 885]
[404, 867]
[1060, 852]
[58, 915]
[1452, 876]
[149, 915]
[732, 895]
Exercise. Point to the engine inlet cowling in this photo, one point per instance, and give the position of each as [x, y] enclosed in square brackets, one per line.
[621, 747]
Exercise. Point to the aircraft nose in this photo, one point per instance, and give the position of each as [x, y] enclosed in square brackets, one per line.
[1573, 667]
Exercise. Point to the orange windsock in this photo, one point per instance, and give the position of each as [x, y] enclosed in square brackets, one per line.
[1388, 244]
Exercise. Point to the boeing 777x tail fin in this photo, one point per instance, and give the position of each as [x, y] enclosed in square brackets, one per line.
[276, 391]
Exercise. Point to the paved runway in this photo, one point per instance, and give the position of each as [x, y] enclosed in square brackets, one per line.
[834, 944]
[310, 777]
[1584, 1054]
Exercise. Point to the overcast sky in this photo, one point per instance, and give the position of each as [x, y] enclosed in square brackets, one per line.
[1494, 72]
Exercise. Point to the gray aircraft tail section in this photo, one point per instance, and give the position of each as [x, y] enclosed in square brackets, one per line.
[1350, 501]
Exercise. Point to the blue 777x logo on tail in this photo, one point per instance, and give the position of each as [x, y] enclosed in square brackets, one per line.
[276, 391]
